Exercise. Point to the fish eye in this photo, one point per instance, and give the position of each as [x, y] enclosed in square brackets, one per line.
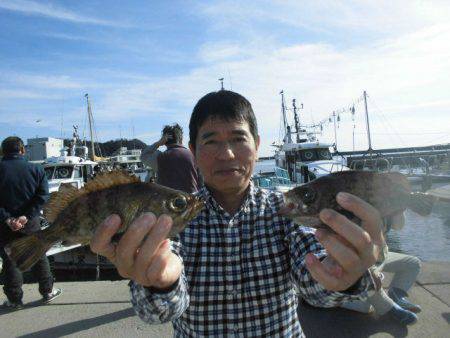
[309, 196]
[178, 203]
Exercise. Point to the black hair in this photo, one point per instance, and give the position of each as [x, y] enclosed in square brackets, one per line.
[12, 145]
[223, 105]
[175, 133]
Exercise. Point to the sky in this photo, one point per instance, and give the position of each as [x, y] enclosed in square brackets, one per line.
[145, 64]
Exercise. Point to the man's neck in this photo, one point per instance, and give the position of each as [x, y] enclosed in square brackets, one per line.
[229, 201]
[174, 145]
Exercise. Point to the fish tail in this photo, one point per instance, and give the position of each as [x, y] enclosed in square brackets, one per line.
[421, 203]
[26, 251]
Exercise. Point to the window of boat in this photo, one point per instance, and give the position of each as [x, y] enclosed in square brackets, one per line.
[308, 155]
[63, 172]
[49, 172]
[324, 154]
[77, 172]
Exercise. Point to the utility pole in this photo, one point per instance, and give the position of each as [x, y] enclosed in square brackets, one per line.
[367, 122]
[335, 131]
[89, 111]
[221, 83]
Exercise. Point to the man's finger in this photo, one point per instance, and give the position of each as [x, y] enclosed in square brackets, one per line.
[166, 267]
[149, 248]
[350, 232]
[101, 242]
[132, 239]
[345, 256]
[370, 217]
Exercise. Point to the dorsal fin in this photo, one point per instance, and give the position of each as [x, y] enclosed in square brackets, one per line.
[68, 193]
[109, 179]
[59, 200]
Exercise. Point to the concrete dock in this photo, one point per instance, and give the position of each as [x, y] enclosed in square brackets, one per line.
[102, 309]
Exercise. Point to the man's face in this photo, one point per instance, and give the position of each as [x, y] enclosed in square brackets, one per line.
[225, 154]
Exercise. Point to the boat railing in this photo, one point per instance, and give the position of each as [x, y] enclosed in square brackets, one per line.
[380, 164]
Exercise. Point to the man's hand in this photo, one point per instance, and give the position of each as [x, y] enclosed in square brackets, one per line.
[16, 224]
[143, 253]
[163, 140]
[352, 249]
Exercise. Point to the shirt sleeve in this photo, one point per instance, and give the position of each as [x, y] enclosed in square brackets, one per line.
[149, 156]
[301, 241]
[41, 196]
[4, 215]
[160, 307]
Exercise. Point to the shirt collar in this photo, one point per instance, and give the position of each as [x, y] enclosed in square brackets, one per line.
[249, 200]
[14, 156]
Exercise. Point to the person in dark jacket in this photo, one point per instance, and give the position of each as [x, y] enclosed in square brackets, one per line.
[23, 192]
[175, 167]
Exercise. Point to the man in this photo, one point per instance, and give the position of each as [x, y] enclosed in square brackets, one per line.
[234, 269]
[174, 167]
[23, 192]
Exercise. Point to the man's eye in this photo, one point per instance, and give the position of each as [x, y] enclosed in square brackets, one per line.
[239, 139]
[210, 142]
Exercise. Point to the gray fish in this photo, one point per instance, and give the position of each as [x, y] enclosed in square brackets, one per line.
[390, 193]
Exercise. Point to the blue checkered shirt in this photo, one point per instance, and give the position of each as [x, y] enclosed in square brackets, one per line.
[241, 274]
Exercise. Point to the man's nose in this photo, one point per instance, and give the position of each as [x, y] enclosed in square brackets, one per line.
[225, 151]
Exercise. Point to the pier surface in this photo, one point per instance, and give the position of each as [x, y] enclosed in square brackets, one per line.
[103, 309]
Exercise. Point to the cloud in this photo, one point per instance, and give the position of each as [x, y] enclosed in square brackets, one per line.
[44, 82]
[50, 11]
[8, 94]
[404, 67]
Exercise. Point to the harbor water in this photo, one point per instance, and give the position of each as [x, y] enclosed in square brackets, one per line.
[425, 237]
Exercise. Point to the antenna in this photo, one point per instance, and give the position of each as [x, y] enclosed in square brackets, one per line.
[229, 75]
[221, 83]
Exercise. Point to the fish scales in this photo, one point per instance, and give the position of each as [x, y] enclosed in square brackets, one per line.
[75, 214]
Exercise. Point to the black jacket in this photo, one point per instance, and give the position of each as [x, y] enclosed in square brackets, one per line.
[23, 192]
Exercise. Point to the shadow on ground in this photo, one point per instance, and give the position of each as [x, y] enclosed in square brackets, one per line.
[81, 325]
[334, 322]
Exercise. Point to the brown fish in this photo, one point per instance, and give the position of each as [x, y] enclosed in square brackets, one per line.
[390, 193]
[75, 214]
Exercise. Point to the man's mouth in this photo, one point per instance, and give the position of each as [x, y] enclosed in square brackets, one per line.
[228, 171]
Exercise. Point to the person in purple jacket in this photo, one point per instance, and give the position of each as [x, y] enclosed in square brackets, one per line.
[175, 166]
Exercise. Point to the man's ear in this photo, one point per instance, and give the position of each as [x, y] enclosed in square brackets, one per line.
[22, 150]
[257, 142]
[192, 149]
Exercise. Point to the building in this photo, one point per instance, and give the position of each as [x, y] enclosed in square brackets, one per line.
[40, 148]
[126, 157]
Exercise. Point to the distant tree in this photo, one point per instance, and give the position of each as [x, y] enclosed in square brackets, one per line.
[109, 147]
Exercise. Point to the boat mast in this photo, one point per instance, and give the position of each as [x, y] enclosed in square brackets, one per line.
[89, 111]
[287, 135]
[335, 131]
[367, 122]
[297, 123]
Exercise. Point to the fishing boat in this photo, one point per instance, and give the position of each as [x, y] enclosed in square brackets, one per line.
[130, 160]
[305, 158]
[75, 167]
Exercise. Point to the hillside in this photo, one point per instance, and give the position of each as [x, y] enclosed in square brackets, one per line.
[109, 147]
